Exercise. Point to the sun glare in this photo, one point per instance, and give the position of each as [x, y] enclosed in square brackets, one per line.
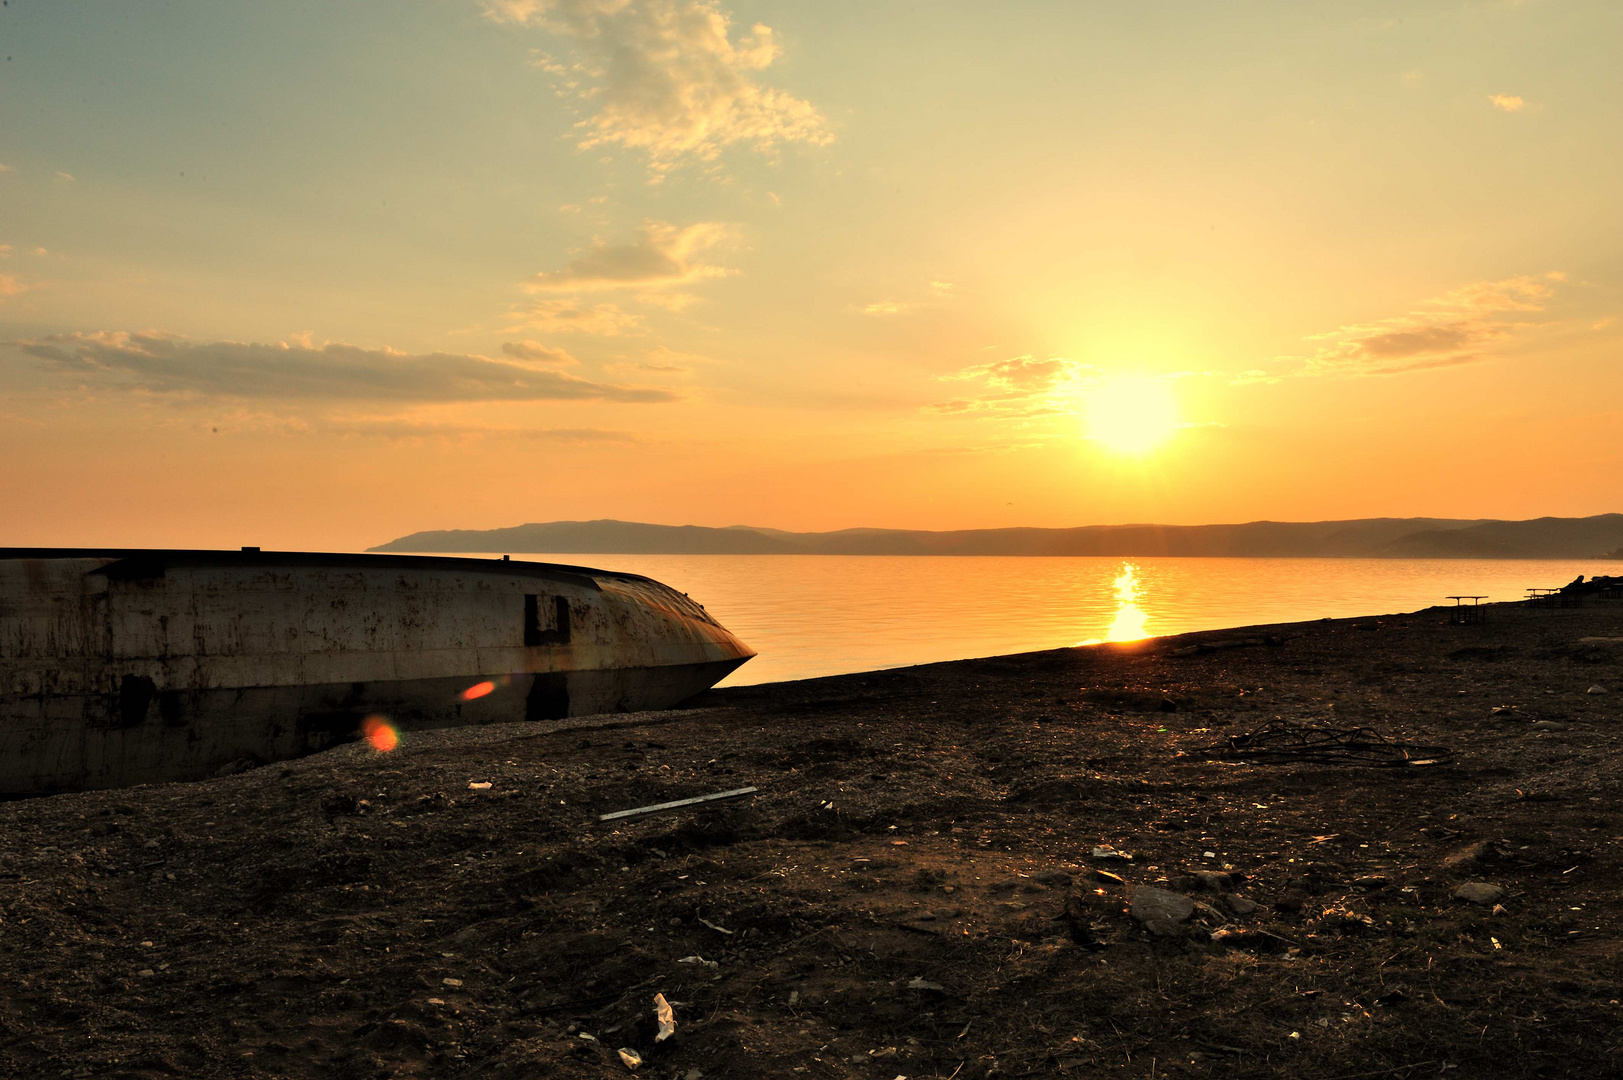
[1132, 414]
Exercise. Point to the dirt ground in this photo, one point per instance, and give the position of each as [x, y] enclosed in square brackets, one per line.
[913, 891]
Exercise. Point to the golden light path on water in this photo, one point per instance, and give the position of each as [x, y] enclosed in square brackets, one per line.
[1130, 619]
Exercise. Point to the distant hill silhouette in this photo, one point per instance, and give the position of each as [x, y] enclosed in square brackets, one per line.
[1541, 538]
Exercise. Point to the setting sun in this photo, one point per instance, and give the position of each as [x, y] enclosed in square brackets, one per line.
[1132, 414]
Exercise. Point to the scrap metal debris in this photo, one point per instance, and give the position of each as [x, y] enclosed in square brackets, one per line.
[657, 807]
[1282, 743]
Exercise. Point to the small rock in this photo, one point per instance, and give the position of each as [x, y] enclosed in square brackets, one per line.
[1292, 902]
[1105, 851]
[1212, 880]
[1051, 877]
[1548, 725]
[1108, 878]
[1466, 856]
[1239, 905]
[920, 983]
[1372, 881]
[1597, 690]
[1249, 939]
[452, 982]
[1160, 911]
[1479, 892]
[1076, 918]
[632, 1059]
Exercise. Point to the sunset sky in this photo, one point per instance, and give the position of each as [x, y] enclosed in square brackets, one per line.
[317, 275]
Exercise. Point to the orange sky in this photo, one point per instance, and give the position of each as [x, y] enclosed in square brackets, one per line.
[452, 264]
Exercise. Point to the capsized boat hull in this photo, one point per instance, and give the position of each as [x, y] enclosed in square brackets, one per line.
[128, 667]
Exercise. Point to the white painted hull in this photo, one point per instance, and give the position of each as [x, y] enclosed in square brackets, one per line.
[122, 668]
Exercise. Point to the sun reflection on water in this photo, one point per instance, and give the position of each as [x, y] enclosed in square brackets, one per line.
[1130, 618]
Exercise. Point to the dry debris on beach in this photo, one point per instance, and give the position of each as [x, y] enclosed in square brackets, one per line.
[1063, 863]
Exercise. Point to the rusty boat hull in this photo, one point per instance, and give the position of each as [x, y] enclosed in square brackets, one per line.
[146, 666]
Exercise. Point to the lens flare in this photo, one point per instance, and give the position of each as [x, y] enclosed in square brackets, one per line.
[1130, 618]
[477, 690]
[380, 733]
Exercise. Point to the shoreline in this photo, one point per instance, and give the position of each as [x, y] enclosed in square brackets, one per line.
[912, 891]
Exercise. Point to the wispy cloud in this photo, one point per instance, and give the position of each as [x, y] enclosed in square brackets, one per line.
[940, 292]
[405, 429]
[65, 178]
[1021, 385]
[666, 77]
[536, 352]
[885, 307]
[1444, 332]
[665, 361]
[167, 364]
[661, 256]
[1507, 102]
[10, 285]
[7, 168]
[569, 316]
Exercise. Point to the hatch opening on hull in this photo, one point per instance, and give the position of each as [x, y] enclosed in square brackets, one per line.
[534, 634]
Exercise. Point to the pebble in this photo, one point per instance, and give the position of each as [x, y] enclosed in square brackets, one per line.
[1597, 690]
[1051, 877]
[1548, 725]
[1480, 892]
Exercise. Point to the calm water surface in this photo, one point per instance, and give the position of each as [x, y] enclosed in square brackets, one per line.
[810, 615]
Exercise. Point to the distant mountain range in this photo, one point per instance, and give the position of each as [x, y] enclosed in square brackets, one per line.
[1541, 538]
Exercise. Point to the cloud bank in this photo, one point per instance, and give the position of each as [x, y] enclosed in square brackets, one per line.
[167, 364]
[667, 78]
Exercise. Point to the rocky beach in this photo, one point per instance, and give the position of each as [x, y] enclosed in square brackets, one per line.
[1355, 848]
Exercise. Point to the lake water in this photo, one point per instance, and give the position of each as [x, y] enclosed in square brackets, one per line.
[810, 615]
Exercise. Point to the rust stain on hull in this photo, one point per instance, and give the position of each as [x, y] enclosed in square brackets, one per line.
[127, 667]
